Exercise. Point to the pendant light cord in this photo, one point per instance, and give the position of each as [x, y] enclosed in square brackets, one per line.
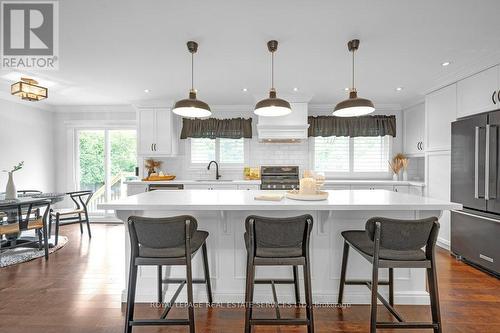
[352, 88]
[272, 70]
[192, 71]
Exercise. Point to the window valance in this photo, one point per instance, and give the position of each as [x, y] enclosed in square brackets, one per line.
[235, 128]
[352, 126]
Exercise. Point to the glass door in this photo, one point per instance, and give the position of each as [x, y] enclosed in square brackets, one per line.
[105, 159]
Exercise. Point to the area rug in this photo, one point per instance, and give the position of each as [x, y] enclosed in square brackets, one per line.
[22, 254]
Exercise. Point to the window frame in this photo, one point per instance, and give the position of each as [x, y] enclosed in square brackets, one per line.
[222, 166]
[351, 173]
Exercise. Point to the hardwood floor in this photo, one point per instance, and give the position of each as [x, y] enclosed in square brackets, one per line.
[78, 290]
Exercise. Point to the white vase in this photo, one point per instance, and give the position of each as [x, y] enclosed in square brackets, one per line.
[405, 175]
[395, 177]
[10, 190]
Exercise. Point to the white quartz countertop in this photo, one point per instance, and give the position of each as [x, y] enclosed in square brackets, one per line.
[241, 200]
[380, 182]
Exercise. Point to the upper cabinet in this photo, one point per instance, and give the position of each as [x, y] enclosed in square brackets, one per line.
[157, 132]
[479, 93]
[440, 112]
[414, 123]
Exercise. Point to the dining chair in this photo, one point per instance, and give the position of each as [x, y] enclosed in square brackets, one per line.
[77, 214]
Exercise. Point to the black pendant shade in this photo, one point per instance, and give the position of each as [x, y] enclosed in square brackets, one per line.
[192, 107]
[272, 106]
[354, 106]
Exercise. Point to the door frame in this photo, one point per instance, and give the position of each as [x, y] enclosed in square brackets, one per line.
[73, 156]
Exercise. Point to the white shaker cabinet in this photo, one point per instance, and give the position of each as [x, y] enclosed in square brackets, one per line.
[438, 182]
[414, 128]
[157, 133]
[210, 186]
[478, 93]
[440, 112]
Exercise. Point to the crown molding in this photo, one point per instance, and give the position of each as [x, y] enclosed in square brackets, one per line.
[413, 102]
[93, 108]
[452, 75]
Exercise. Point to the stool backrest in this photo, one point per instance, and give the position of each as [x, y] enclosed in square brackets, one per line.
[160, 233]
[404, 235]
[289, 232]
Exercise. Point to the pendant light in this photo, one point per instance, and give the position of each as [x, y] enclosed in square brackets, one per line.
[192, 107]
[272, 106]
[353, 106]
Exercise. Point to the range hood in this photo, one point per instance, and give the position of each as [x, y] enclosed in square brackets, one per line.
[284, 129]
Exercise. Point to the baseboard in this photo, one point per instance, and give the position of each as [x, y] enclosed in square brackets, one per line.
[412, 298]
[443, 243]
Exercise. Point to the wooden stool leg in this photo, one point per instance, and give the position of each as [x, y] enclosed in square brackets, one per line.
[373, 315]
[345, 257]
[308, 294]
[434, 294]
[249, 294]
[160, 284]
[132, 280]
[189, 285]
[296, 285]
[206, 270]
[391, 286]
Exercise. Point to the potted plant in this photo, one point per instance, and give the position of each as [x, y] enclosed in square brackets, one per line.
[10, 190]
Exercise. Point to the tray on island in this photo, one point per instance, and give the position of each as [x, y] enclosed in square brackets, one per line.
[296, 195]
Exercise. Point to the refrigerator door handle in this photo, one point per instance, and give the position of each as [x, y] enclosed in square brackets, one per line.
[476, 163]
[491, 147]
[487, 165]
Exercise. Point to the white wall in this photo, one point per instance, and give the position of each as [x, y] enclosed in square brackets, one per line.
[26, 134]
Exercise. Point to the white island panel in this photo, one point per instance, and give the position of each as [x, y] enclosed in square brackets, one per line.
[222, 213]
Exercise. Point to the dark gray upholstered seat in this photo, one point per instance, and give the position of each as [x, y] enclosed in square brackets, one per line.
[161, 242]
[197, 240]
[361, 241]
[390, 243]
[283, 241]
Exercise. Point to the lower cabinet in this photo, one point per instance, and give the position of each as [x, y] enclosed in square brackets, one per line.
[249, 187]
[336, 187]
[210, 187]
[136, 189]
[372, 187]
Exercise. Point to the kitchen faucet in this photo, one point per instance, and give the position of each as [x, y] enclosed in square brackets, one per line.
[217, 176]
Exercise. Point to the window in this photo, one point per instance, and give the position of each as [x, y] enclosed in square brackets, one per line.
[344, 155]
[93, 148]
[224, 151]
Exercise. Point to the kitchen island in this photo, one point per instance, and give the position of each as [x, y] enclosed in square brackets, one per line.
[222, 213]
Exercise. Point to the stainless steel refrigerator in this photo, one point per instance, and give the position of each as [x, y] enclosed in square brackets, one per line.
[475, 183]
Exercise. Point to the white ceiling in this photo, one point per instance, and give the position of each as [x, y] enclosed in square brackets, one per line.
[110, 51]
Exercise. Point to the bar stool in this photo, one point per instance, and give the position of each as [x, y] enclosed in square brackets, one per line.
[390, 243]
[165, 241]
[278, 242]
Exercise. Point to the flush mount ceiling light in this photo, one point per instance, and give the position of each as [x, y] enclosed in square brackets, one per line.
[192, 107]
[272, 106]
[353, 106]
[29, 90]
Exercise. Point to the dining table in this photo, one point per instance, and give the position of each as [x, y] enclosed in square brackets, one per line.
[9, 214]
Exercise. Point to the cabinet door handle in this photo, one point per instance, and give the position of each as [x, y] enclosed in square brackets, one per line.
[155, 146]
[498, 95]
[493, 97]
[151, 147]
